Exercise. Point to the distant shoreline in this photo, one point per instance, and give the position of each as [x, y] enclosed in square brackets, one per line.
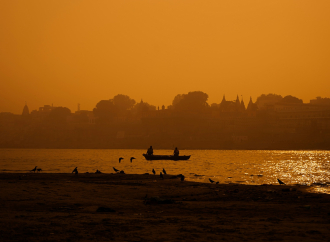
[144, 149]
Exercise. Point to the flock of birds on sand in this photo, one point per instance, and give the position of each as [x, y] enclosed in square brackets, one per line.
[161, 174]
[75, 170]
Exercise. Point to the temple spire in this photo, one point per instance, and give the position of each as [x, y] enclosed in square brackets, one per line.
[242, 105]
[26, 111]
[251, 106]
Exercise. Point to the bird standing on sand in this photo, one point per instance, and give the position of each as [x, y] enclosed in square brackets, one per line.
[132, 158]
[161, 175]
[281, 183]
[39, 169]
[211, 180]
[116, 170]
[182, 178]
[121, 158]
[75, 171]
[164, 171]
[153, 171]
[34, 169]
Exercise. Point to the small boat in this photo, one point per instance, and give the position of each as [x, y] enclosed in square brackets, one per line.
[166, 157]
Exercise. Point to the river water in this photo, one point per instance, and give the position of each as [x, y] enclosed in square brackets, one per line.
[226, 166]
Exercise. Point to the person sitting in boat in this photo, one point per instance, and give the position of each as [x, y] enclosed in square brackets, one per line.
[176, 151]
[150, 151]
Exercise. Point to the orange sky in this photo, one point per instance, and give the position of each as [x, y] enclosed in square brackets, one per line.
[69, 52]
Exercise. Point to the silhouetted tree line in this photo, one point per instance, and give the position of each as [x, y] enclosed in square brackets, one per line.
[190, 122]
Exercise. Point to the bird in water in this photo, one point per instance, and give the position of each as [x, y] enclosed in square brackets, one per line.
[164, 171]
[132, 158]
[75, 170]
[153, 171]
[116, 170]
[39, 169]
[121, 158]
[281, 183]
[211, 180]
[161, 175]
[34, 169]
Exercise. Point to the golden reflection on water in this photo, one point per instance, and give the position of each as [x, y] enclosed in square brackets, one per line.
[310, 168]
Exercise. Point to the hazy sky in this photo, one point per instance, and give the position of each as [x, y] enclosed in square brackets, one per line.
[68, 52]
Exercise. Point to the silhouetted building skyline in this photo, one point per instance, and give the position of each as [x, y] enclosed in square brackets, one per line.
[272, 122]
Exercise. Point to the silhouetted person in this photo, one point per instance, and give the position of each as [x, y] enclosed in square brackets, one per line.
[75, 171]
[121, 158]
[116, 170]
[281, 183]
[164, 171]
[211, 180]
[153, 171]
[150, 151]
[161, 175]
[176, 151]
[132, 158]
[34, 169]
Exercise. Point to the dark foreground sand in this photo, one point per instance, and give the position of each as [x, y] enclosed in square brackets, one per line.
[104, 207]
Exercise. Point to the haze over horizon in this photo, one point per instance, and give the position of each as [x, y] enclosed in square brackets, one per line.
[70, 52]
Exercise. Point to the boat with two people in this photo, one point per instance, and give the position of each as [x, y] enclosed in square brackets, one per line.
[150, 155]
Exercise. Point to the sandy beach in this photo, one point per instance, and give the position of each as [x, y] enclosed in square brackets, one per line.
[121, 207]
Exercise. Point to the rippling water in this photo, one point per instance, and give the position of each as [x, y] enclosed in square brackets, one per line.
[225, 166]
